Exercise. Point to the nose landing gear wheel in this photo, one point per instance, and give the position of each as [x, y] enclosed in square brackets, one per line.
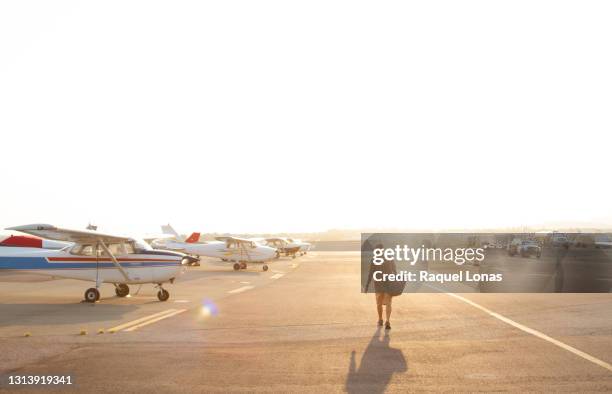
[163, 295]
[243, 266]
[265, 267]
[236, 266]
[92, 295]
[122, 290]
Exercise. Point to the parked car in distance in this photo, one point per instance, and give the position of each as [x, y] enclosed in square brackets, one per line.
[559, 239]
[524, 247]
[599, 241]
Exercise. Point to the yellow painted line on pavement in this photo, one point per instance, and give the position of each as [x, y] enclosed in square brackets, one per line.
[535, 333]
[146, 323]
[276, 276]
[241, 289]
[133, 322]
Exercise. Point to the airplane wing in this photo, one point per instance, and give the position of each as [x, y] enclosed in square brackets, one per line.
[235, 239]
[61, 234]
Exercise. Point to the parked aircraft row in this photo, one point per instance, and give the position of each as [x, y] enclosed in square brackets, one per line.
[240, 251]
[122, 260]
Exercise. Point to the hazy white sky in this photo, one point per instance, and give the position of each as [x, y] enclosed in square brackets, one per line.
[303, 116]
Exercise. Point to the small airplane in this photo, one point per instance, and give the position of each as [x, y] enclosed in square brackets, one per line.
[238, 250]
[287, 246]
[281, 244]
[304, 246]
[93, 256]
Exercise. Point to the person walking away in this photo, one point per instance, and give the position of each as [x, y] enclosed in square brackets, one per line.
[383, 289]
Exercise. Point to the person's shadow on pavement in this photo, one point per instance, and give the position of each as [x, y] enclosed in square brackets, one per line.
[378, 364]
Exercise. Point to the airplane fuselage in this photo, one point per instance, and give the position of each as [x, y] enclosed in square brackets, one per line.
[142, 267]
[219, 249]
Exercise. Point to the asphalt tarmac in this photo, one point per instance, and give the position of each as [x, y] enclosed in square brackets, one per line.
[303, 326]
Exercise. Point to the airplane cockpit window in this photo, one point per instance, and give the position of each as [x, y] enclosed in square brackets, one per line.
[121, 249]
[82, 250]
[118, 249]
[115, 249]
[129, 248]
[140, 245]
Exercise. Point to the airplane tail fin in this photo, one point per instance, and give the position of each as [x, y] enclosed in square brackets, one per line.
[193, 238]
[167, 229]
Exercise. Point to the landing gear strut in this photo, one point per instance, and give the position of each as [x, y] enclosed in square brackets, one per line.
[122, 290]
[92, 295]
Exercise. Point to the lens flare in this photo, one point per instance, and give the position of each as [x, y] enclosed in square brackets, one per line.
[208, 309]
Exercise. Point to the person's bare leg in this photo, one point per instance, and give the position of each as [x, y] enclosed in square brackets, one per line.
[388, 312]
[379, 307]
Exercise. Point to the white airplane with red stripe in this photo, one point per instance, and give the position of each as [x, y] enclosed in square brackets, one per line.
[240, 251]
[89, 256]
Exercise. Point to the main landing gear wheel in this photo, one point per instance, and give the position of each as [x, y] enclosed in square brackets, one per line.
[265, 267]
[92, 295]
[236, 267]
[122, 290]
[163, 295]
[243, 265]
